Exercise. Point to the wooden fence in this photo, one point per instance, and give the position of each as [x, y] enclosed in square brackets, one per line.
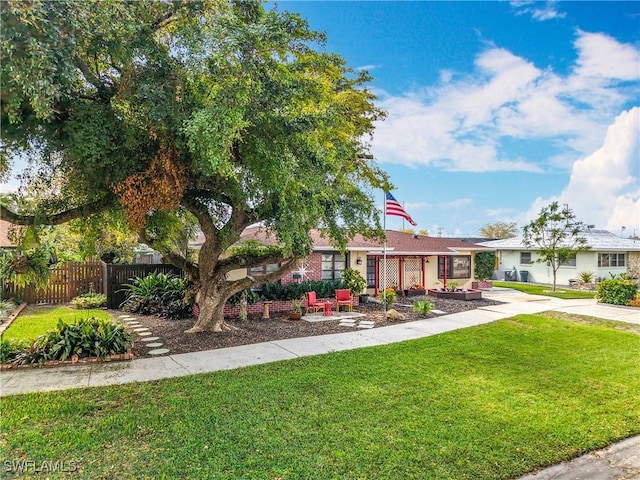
[66, 282]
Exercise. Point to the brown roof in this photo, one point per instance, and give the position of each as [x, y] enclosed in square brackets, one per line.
[398, 243]
[402, 243]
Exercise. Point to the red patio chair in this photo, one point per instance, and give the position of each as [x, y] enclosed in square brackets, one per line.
[344, 299]
[313, 303]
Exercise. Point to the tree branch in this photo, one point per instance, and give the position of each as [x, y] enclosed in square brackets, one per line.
[248, 281]
[56, 218]
[190, 268]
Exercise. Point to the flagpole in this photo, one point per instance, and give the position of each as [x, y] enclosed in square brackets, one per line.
[384, 257]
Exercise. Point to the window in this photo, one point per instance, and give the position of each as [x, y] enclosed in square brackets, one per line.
[332, 266]
[611, 260]
[458, 266]
[525, 258]
[371, 273]
[263, 269]
[569, 262]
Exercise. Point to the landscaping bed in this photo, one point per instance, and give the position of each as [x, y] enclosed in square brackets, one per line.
[278, 327]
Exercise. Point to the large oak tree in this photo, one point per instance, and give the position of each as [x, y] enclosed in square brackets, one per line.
[219, 111]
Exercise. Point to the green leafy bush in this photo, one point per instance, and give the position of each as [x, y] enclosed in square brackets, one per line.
[163, 294]
[388, 296]
[9, 349]
[485, 264]
[616, 291]
[422, 306]
[354, 281]
[89, 300]
[586, 277]
[28, 268]
[252, 297]
[84, 338]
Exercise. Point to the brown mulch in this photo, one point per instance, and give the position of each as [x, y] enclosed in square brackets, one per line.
[278, 327]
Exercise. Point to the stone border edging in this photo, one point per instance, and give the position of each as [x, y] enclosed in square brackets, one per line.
[117, 357]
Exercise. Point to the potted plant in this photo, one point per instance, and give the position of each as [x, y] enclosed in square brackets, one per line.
[296, 313]
[415, 290]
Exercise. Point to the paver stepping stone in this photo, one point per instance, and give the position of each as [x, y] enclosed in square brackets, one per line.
[158, 351]
[365, 326]
[343, 324]
[150, 339]
[367, 322]
[141, 329]
[154, 345]
[144, 334]
[134, 324]
[439, 312]
[127, 317]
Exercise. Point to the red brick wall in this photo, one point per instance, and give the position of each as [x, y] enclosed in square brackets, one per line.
[276, 306]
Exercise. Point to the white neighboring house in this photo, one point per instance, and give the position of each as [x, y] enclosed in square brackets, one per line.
[609, 255]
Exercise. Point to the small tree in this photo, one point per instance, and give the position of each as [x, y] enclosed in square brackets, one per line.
[558, 236]
[485, 265]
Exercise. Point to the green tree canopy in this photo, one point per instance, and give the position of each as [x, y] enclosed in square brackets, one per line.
[216, 111]
[499, 230]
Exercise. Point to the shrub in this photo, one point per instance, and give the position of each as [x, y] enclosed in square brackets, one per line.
[84, 338]
[586, 277]
[388, 296]
[9, 349]
[163, 294]
[353, 281]
[485, 263]
[616, 291]
[252, 297]
[90, 300]
[423, 307]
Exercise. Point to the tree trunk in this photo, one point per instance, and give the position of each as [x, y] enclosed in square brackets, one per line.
[211, 318]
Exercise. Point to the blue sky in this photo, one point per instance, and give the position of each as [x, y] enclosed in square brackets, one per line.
[495, 109]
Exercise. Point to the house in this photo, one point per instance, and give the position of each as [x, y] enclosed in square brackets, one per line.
[5, 242]
[411, 261]
[609, 255]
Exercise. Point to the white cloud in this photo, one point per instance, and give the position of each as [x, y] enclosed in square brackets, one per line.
[367, 67]
[548, 11]
[604, 188]
[603, 57]
[461, 124]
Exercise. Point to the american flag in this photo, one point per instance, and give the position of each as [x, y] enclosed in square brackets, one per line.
[394, 208]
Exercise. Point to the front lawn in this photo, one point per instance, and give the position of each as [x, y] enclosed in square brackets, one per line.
[35, 321]
[536, 289]
[491, 402]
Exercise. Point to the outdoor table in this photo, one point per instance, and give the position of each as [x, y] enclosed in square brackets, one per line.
[328, 309]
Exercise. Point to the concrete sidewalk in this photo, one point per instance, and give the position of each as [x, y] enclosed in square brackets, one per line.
[24, 380]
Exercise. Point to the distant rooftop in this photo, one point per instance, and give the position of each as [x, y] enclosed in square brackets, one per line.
[599, 240]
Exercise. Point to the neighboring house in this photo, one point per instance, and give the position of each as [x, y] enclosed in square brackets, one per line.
[609, 255]
[411, 260]
[5, 243]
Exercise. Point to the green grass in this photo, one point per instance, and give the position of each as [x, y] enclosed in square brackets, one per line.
[490, 402]
[34, 321]
[536, 289]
